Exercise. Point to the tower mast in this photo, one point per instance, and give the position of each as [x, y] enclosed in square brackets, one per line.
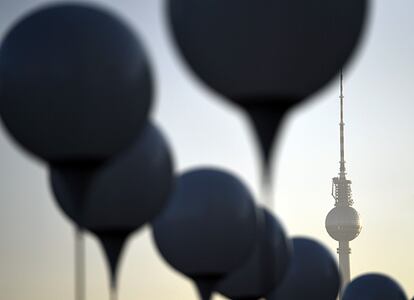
[344, 194]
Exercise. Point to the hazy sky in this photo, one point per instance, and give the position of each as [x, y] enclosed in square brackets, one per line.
[36, 240]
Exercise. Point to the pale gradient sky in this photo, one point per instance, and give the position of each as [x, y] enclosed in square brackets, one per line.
[36, 240]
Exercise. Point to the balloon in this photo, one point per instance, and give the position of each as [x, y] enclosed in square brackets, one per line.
[265, 268]
[266, 55]
[121, 194]
[313, 274]
[208, 228]
[75, 83]
[373, 287]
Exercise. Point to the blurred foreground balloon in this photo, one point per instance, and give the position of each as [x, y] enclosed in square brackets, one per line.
[313, 274]
[120, 195]
[266, 56]
[75, 83]
[265, 268]
[75, 88]
[374, 287]
[209, 227]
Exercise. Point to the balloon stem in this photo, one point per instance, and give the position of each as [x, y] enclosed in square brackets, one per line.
[266, 122]
[112, 244]
[266, 188]
[79, 264]
[114, 293]
[205, 288]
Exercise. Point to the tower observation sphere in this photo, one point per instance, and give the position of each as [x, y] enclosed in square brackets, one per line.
[343, 223]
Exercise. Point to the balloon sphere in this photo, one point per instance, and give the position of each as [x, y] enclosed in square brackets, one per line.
[313, 274]
[120, 195]
[75, 83]
[266, 51]
[208, 228]
[266, 267]
[373, 287]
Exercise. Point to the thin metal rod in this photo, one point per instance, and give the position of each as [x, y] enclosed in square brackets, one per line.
[79, 264]
[114, 293]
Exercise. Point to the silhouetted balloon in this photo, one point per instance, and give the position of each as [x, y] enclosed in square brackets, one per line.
[75, 83]
[121, 194]
[266, 55]
[313, 274]
[265, 268]
[209, 227]
[373, 287]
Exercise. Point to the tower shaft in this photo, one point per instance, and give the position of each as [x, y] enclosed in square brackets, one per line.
[344, 263]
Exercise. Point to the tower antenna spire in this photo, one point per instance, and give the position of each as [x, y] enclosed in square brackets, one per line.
[341, 127]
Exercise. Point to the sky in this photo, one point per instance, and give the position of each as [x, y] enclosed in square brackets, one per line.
[36, 240]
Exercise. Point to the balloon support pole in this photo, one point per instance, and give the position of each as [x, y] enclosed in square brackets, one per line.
[79, 264]
[113, 292]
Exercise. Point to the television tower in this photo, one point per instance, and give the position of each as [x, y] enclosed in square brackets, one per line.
[343, 222]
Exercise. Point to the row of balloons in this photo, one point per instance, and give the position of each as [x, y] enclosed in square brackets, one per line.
[76, 91]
